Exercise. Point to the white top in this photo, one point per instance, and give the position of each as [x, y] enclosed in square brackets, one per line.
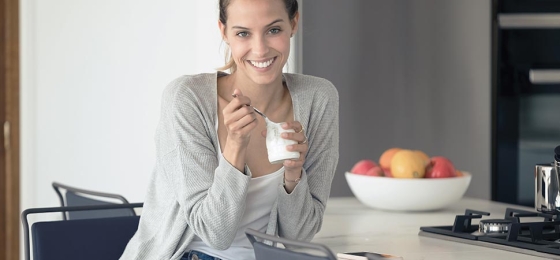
[260, 198]
[261, 195]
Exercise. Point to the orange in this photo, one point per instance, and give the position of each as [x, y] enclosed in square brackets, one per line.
[424, 157]
[407, 164]
[387, 156]
[458, 173]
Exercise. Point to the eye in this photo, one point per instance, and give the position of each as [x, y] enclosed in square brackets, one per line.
[274, 30]
[242, 34]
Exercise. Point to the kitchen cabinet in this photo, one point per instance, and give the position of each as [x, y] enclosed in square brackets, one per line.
[349, 226]
[525, 94]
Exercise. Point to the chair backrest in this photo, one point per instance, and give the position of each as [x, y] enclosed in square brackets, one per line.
[85, 239]
[81, 197]
[296, 250]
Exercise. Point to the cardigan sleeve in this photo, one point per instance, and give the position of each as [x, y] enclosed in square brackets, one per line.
[300, 213]
[210, 191]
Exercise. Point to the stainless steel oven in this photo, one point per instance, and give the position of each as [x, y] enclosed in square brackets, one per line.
[525, 94]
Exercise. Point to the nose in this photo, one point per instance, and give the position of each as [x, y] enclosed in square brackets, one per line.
[260, 46]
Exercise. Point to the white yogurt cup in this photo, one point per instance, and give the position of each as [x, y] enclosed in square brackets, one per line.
[276, 145]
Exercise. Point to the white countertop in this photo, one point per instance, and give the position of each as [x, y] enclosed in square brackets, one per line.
[349, 226]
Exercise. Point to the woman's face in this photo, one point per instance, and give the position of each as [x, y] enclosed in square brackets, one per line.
[258, 33]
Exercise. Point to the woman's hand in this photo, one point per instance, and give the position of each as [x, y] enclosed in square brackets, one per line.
[240, 121]
[293, 167]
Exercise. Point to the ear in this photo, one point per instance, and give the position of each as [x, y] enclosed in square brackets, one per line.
[222, 30]
[295, 22]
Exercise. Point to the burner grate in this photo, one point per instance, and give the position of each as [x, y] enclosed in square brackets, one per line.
[516, 230]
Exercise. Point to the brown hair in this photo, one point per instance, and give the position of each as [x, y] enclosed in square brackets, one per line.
[291, 9]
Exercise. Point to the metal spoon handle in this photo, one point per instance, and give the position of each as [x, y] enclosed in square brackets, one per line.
[256, 110]
[259, 112]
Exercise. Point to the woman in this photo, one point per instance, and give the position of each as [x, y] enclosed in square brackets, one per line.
[212, 178]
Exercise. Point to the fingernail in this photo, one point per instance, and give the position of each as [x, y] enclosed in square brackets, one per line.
[234, 95]
[284, 125]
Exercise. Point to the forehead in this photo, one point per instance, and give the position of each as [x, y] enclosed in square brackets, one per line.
[255, 13]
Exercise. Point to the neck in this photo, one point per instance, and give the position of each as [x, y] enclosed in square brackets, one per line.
[263, 96]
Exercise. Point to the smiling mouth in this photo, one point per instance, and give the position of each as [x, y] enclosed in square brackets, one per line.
[262, 65]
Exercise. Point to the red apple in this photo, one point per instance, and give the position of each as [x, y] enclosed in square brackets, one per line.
[375, 171]
[387, 172]
[440, 167]
[363, 166]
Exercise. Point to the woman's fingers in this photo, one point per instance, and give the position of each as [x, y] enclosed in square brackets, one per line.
[301, 146]
[299, 132]
[298, 128]
[239, 117]
[238, 101]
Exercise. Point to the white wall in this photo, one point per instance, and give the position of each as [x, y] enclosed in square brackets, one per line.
[91, 80]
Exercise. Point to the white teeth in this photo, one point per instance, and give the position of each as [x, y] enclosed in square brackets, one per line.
[262, 64]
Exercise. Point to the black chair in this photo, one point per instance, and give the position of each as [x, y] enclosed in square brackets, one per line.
[296, 250]
[81, 197]
[84, 239]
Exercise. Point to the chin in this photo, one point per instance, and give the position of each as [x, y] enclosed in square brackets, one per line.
[266, 79]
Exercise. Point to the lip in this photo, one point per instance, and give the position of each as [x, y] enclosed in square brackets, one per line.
[262, 60]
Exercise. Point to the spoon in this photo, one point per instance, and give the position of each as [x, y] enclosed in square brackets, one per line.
[261, 113]
[256, 110]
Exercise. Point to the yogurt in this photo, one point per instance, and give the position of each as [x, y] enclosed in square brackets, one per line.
[276, 145]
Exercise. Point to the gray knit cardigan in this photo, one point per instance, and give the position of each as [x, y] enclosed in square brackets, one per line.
[194, 191]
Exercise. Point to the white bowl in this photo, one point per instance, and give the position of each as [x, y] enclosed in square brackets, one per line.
[398, 194]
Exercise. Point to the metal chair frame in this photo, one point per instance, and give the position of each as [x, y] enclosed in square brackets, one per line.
[27, 212]
[57, 186]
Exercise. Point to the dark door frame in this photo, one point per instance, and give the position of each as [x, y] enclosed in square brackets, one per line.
[9, 124]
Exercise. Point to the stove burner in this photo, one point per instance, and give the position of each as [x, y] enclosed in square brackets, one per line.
[493, 226]
[519, 231]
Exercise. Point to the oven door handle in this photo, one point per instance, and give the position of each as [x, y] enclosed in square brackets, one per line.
[544, 76]
[529, 21]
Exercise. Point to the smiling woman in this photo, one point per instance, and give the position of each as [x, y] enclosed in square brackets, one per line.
[213, 178]
[275, 28]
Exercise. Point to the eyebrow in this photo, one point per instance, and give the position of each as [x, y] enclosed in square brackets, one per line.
[244, 28]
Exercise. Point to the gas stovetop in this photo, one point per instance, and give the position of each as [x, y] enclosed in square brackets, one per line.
[519, 231]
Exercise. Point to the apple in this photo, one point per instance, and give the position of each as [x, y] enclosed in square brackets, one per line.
[387, 172]
[375, 171]
[440, 167]
[363, 166]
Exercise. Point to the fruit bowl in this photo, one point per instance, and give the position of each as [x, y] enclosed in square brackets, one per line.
[415, 194]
